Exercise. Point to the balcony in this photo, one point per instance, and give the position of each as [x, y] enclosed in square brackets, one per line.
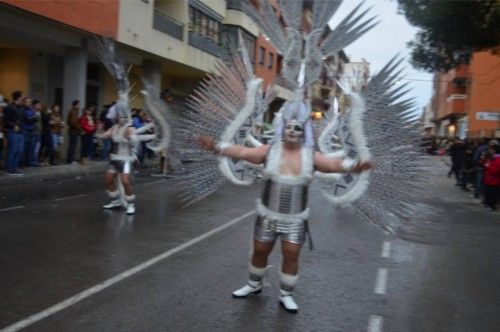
[205, 44]
[455, 104]
[280, 80]
[167, 25]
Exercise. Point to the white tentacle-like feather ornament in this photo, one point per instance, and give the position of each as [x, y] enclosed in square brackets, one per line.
[377, 123]
[379, 118]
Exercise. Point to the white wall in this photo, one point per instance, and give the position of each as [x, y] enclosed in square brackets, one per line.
[135, 28]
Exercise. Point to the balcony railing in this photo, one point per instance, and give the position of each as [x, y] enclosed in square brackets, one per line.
[168, 25]
[280, 80]
[237, 4]
[456, 97]
[455, 104]
[205, 44]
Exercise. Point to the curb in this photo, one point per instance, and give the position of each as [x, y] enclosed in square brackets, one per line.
[60, 172]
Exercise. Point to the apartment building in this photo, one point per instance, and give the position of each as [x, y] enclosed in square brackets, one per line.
[465, 101]
[47, 48]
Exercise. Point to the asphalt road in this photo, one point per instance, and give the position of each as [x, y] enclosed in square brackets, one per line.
[67, 265]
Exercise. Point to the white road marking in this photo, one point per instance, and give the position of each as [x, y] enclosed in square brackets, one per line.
[375, 324]
[13, 208]
[386, 249]
[124, 275]
[149, 183]
[69, 197]
[381, 283]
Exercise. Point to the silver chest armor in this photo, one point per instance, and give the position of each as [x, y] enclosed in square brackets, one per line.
[284, 198]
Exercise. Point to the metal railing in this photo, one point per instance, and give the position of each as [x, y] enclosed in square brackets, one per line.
[205, 44]
[162, 22]
[280, 80]
[456, 96]
[237, 4]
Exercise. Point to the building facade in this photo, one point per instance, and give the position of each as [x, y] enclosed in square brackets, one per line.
[47, 48]
[465, 101]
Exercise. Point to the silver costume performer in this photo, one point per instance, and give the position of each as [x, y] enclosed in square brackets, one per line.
[122, 157]
[283, 207]
[124, 136]
[375, 122]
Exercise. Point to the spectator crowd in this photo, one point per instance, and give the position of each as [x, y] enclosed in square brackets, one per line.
[32, 133]
[475, 165]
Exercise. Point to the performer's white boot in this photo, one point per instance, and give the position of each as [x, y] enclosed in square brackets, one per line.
[288, 283]
[254, 284]
[115, 200]
[130, 204]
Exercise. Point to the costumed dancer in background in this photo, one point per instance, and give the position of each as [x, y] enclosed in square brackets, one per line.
[283, 212]
[123, 155]
[125, 137]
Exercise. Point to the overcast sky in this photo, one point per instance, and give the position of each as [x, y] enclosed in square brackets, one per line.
[384, 41]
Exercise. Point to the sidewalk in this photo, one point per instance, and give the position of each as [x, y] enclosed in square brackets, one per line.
[63, 172]
[451, 192]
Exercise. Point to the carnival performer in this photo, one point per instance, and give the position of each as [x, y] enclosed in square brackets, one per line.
[125, 137]
[283, 212]
[122, 158]
[374, 123]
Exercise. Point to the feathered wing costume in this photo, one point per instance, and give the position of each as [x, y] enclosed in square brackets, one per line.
[378, 117]
[376, 125]
[125, 144]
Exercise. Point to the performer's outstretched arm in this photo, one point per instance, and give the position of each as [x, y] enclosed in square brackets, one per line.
[253, 155]
[329, 165]
[103, 134]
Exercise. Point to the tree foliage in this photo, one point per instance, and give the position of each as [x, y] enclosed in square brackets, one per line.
[451, 30]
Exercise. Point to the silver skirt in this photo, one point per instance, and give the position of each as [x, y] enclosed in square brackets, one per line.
[267, 230]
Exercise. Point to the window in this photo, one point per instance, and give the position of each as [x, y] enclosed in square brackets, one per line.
[271, 60]
[249, 41]
[194, 19]
[210, 28]
[204, 24]
[191, 18]
[217, 29]
[262, 55]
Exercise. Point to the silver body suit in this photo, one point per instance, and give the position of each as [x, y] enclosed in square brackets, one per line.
[283, 206]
